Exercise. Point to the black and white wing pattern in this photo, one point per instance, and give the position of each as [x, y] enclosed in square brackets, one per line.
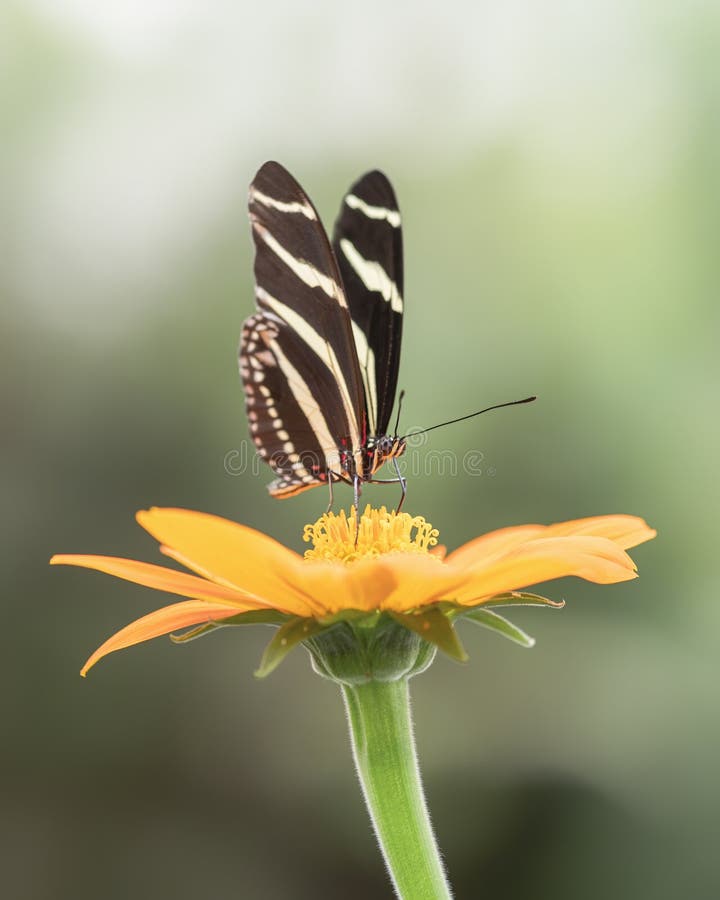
[368, 246]
[303, 385]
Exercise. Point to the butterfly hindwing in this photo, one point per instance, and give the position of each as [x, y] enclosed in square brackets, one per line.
[279, 425]
[368, 246]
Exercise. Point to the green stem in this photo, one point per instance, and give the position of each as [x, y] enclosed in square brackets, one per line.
[384, 751]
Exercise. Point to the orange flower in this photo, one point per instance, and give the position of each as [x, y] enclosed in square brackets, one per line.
[389, 566]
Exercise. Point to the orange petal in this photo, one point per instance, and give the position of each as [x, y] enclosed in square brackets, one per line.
[494, 542]
[625, 531]
[161, 579]
[595, 559]
[336, 585]
[230, 554]
[393, 581]
[418, 581]
[162, 621]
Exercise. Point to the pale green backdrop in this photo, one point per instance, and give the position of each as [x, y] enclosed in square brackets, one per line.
[557, 166]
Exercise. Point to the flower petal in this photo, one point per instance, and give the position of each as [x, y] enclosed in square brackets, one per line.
[625, 531]
[418, 581]
[493, 543]
[162, 621]
[361, 585]
[161, 579]
[595, 559]
[230, 554]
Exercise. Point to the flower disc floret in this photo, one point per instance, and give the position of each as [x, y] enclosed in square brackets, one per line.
[342, 538]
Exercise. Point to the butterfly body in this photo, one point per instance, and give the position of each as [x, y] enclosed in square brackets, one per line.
[319, 359]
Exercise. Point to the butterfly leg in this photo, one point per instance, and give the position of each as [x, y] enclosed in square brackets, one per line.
[403, 484]
[357, 489]
[401, 480]
[330, 486]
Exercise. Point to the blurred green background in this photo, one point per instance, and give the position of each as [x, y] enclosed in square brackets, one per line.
[557, 168]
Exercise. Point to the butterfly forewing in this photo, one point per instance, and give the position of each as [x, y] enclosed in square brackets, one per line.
[368, 246]
[298, 360]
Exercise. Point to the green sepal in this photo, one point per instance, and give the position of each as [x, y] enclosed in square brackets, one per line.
[434, 627]
[252, 617]
[288, 636]
[256, 617]
[501, 625]
[521, 598]
[193, 633]
[360, 647]
[359, 617]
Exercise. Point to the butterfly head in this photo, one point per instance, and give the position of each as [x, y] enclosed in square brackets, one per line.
[383, 448]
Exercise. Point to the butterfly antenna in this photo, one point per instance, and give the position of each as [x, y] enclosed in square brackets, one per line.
[472, 415]
[397, 420]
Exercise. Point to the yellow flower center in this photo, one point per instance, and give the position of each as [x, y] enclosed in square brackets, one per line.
[338, 537]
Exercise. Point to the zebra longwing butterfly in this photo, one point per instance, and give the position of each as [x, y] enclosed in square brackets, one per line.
[319, 359]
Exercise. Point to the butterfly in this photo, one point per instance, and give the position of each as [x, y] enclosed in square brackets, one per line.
[319, 359]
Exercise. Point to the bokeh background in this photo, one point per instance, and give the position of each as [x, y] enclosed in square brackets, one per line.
[557, 168]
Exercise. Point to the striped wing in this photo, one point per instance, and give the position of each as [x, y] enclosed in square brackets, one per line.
[368, 245]
[281, 405]
[298, 360]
